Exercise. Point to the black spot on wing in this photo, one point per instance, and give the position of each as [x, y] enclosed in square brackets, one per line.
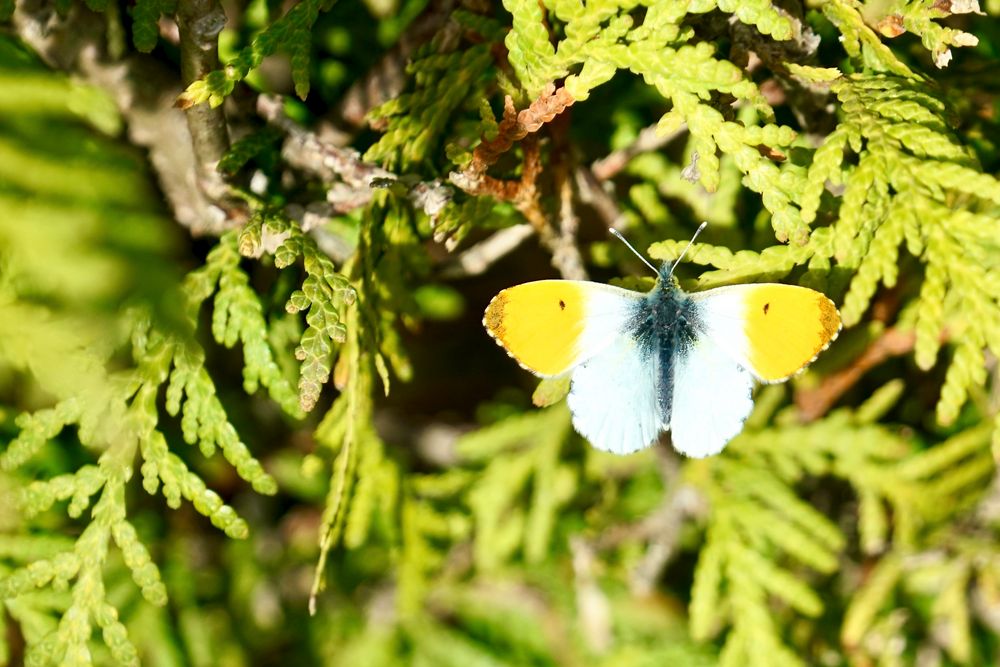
[767, 307]
[562, 305]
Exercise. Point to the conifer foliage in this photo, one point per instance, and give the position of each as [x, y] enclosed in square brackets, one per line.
[248, 414]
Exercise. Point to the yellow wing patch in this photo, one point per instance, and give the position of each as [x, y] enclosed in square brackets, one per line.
[539, 324]
[786, 327]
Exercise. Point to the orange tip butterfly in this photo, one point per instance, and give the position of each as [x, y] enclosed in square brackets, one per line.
[641, 364]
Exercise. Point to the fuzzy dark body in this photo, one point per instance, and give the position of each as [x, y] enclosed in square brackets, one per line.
[665, 326]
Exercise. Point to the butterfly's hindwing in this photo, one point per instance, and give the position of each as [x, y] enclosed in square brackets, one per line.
[614, 397]
[712, 398]
[624, 397]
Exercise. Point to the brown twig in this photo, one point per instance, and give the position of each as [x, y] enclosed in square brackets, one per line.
[593, 193]
[515, 126]
[350, 180]
[305, 151]
[566, 255]
[816, 402]
[661, 529]
[477, 259]
[593, 608]
[647, 141]
[199, 23]
[523, 193]
[593, 185]
[525, 196]
[480, 257]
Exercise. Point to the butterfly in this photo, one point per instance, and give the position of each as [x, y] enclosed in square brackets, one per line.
[642, 364]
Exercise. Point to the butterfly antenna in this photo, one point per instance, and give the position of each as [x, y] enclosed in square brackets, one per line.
[629, 246]
[688, 246]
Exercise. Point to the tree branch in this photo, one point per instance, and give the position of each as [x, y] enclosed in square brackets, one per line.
[566, 253]
[522, 126]
[306, 151]
[515, 126]
[648, 140]
[350, 181]
[199, 23]
[593, 608]
[480, 257]
[144, 91]
[814, 403]
[593, 194]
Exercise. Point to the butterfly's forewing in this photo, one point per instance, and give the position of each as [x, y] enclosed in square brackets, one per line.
[772, 330]
[551, 326]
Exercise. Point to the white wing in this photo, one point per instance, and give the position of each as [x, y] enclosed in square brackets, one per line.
[711, 399]
[614, 398]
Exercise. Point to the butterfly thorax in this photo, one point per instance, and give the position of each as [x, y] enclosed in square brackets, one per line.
[665, 326]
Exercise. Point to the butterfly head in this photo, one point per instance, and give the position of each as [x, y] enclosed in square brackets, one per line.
[665, 276]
